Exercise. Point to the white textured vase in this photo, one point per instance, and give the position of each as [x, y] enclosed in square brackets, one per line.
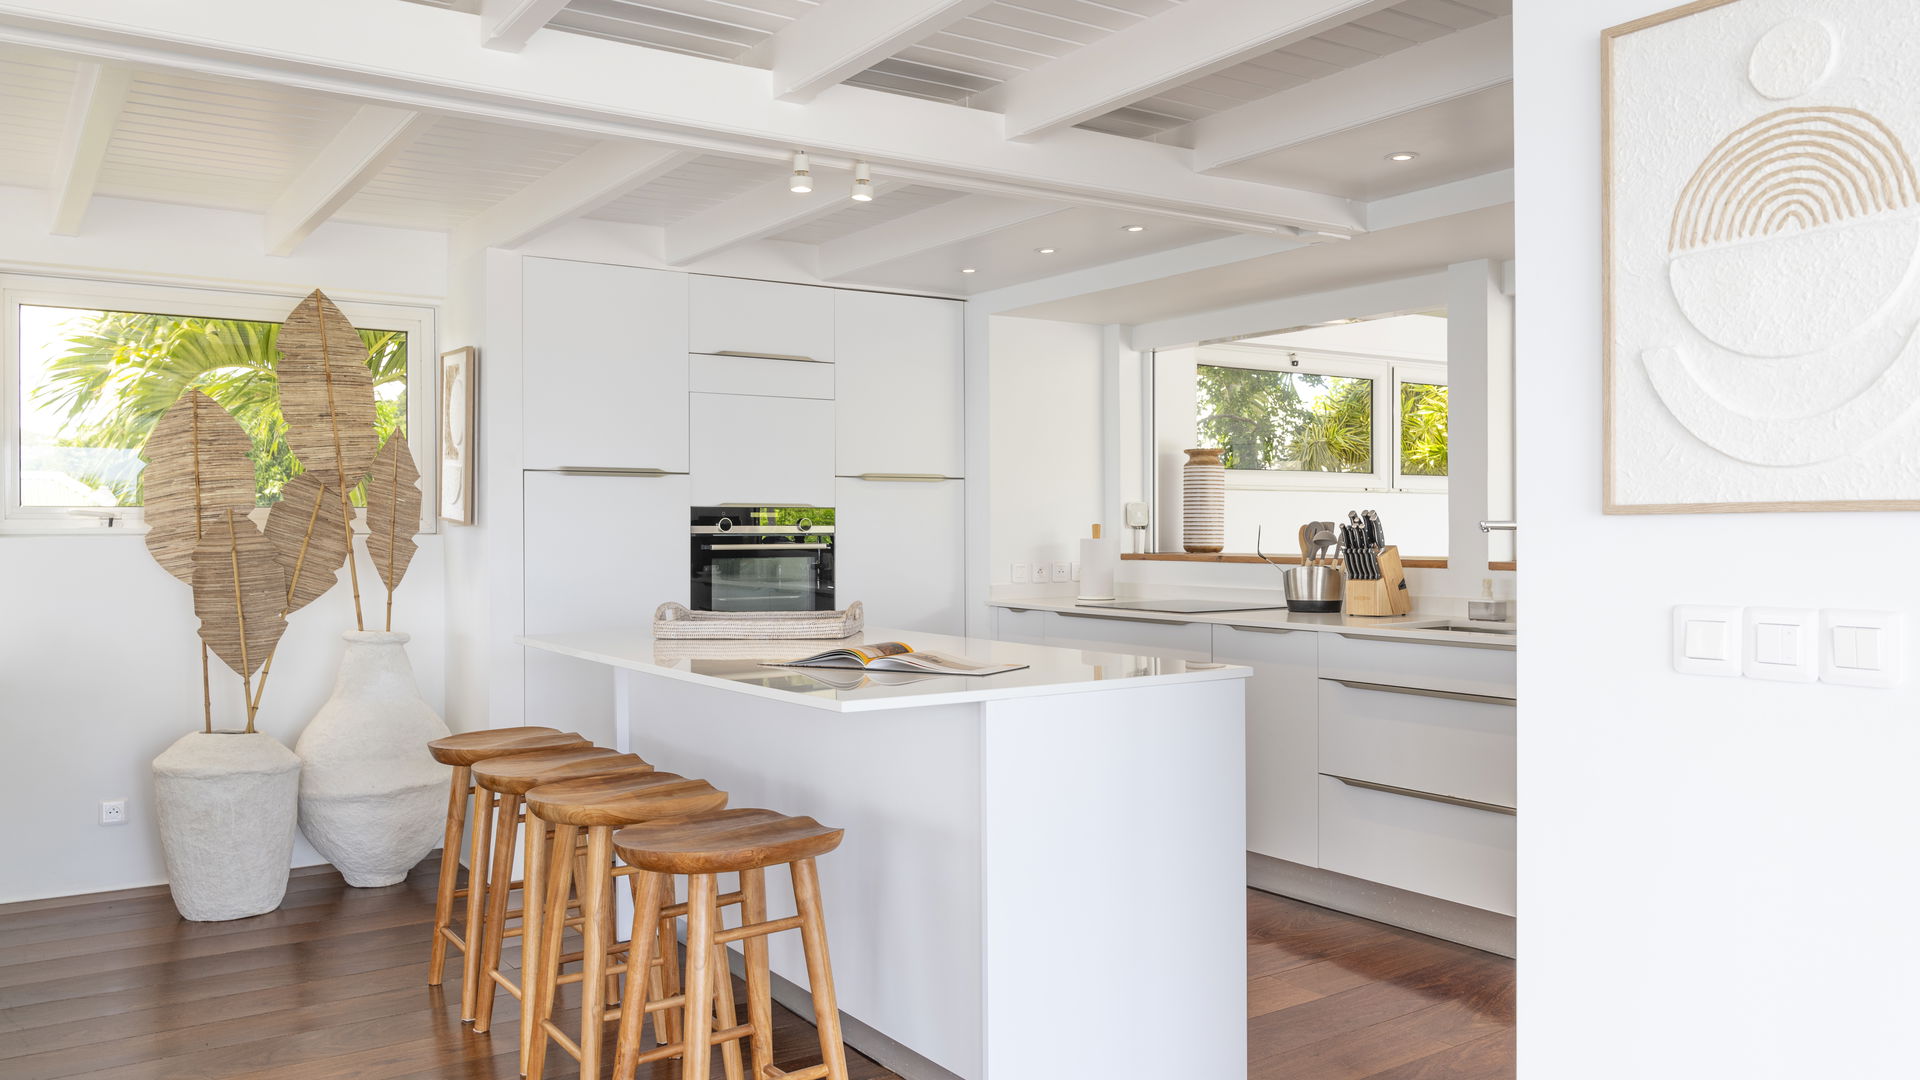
[1203, 501]
[372, 800]
[225, 804]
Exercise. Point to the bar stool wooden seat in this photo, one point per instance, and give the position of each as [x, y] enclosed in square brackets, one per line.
[598, 806]
[743, 841]
[510, 778]
[462, 751]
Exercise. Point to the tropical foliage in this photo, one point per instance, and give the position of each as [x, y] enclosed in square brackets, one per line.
[1423, 429]
[122, 370]
[1289, 421]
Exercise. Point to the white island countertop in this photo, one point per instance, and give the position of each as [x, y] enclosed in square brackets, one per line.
[742, 666]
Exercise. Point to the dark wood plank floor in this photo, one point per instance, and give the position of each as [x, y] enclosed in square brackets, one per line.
[115, 986]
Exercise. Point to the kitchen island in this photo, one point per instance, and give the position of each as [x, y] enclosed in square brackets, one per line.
[1043, 873]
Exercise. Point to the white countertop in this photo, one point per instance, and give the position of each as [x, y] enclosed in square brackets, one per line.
[741, 666]
[1412, 627]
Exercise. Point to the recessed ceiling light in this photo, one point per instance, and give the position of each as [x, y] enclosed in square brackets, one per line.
[1044, 251]
[1133, 228]
[967, 270]
[1402, 155]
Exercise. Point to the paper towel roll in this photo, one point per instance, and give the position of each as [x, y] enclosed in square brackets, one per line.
[1098, 561]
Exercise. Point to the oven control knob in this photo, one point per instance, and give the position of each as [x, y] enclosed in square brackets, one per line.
[725, 525]
[804, 525]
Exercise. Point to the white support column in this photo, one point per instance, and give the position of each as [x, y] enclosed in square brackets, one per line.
[979, 430]
[371, 138]
[99, 93]
[1479, 341]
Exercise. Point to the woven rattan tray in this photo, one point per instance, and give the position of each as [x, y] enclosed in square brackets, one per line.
[672, 620]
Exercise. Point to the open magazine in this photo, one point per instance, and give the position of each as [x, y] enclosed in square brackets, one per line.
[897, 656]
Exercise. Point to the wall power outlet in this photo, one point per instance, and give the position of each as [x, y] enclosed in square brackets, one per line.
[113, 812]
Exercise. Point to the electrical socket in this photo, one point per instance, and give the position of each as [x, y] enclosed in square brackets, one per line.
[1021, 573]
[1062, 571]
[113, 812]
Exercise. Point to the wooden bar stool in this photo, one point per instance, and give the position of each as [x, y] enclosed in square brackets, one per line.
[510, 778]
[598, 805]
[746, 842]
[462, 751]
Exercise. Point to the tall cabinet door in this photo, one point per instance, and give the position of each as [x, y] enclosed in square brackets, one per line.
[900, 384]
[605, 356]
[1283, 738]
[602, 552]
[899, 550]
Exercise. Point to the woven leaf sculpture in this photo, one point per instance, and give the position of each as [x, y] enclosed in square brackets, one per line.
[393, 513]
[311, 548]
[197, 466]
[239, 592]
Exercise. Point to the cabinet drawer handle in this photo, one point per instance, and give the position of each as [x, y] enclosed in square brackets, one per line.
[589, 470]
[900, 477]
[1414, 691]
[1426, 641]
[1263, 629]
[743, 355]
[1019, 610]
[1120, 618]
[1450, 800]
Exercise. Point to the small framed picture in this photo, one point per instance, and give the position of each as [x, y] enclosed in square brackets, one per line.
[457, 407]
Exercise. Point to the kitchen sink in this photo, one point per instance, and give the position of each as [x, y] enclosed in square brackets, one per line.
[1472, 628]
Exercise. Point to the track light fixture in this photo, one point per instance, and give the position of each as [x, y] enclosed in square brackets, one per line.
[801, 181]
[862, 182]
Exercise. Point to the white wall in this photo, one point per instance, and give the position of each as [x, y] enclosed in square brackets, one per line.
[1046, 436]
[99, 660]
[1717, 876]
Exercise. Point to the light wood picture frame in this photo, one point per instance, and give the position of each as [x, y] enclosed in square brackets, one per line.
[459, 398]
[1761, 258]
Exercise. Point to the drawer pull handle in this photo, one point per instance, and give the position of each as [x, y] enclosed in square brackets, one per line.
[1427, 641]
[1019, 610]
[588, 470]
[1414, 691]
[741, 355]
[1120, 618]
[1450, 800]
[1263, 629]
[900, 477]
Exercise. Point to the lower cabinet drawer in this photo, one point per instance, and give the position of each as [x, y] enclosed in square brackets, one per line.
[1435, 741]
[1468, 667]
[1456, 853]
[1151, 637]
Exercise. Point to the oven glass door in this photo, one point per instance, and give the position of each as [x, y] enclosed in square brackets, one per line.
[746, 575]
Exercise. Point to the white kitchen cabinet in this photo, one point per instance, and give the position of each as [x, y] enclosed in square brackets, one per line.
[761, 318]
[1283, 734]
[1020, 624]
[900, 363]
[604, 359]
[758, 375]
[1460, 666]
[899, 549]
[1459, 853]
[1103, 633]
[1433, 741]
[601, 552]
[762, 451]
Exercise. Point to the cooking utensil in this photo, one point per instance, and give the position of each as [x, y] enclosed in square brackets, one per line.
[1314, 588]
[1306, 542]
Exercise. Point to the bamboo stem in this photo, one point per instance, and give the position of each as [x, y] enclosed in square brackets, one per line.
[393, 539]
[293, 582]
[340, 469]
[199, 534]
[206, 686]
[353, 568]
[240, 612]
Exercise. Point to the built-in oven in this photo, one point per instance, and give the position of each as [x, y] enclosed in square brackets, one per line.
[762, 558]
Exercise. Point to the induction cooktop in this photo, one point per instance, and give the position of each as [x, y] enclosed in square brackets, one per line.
[1184, 607]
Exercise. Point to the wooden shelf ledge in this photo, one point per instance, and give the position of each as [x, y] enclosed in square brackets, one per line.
[1422, 563]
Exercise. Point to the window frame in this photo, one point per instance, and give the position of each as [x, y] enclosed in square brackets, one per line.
[256, 303]
[1387, 375]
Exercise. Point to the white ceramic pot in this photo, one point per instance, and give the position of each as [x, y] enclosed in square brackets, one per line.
[225, 804]
[372, 800]
[1203, 509]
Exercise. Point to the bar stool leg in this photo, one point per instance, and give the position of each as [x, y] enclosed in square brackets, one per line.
[753, 897]
[697, 1062]
[532, 937]
[670, 972]
[499, 889]
[553, 928]
[593, 893]
[813, 938]
[608, 913]
[449, 872]
[723, 999]
[633, 1012]
[477, 874]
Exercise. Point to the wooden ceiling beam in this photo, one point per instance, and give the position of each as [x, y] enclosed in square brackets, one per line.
[369, 140]
[835, 41]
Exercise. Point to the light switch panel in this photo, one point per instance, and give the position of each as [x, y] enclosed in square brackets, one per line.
[1706, 640]
[1860, 648]
[1782, 644]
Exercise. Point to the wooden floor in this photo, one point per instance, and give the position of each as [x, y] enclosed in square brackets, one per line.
[116, 987]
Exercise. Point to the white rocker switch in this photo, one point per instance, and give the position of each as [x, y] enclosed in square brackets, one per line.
[1706, 640]
[1860, 648]
[1780, 644]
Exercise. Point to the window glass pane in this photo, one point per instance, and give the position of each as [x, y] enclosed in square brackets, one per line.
[1423, 429]
[1286, 421]
[93, 384]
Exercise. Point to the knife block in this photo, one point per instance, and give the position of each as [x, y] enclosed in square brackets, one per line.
[1386, 595]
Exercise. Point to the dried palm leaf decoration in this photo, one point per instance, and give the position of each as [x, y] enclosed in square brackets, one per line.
[311, 550]
[393, 513]
[239, 590]
[326, 396]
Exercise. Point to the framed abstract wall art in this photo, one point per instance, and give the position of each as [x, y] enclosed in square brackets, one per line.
[1762, 232]
[457, 400]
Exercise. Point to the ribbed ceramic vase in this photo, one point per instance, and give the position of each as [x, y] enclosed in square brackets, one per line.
[372, 800]
[1203, 501]
[224, 802]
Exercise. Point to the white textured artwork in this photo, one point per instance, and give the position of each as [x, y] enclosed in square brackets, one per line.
[1763, 231]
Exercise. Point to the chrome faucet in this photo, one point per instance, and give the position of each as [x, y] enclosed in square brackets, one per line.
[1503, 526]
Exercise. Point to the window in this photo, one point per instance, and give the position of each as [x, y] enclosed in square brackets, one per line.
[92, 366]
[1423, 429]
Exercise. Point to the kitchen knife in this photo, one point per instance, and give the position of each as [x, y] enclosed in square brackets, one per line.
[1376, 532]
